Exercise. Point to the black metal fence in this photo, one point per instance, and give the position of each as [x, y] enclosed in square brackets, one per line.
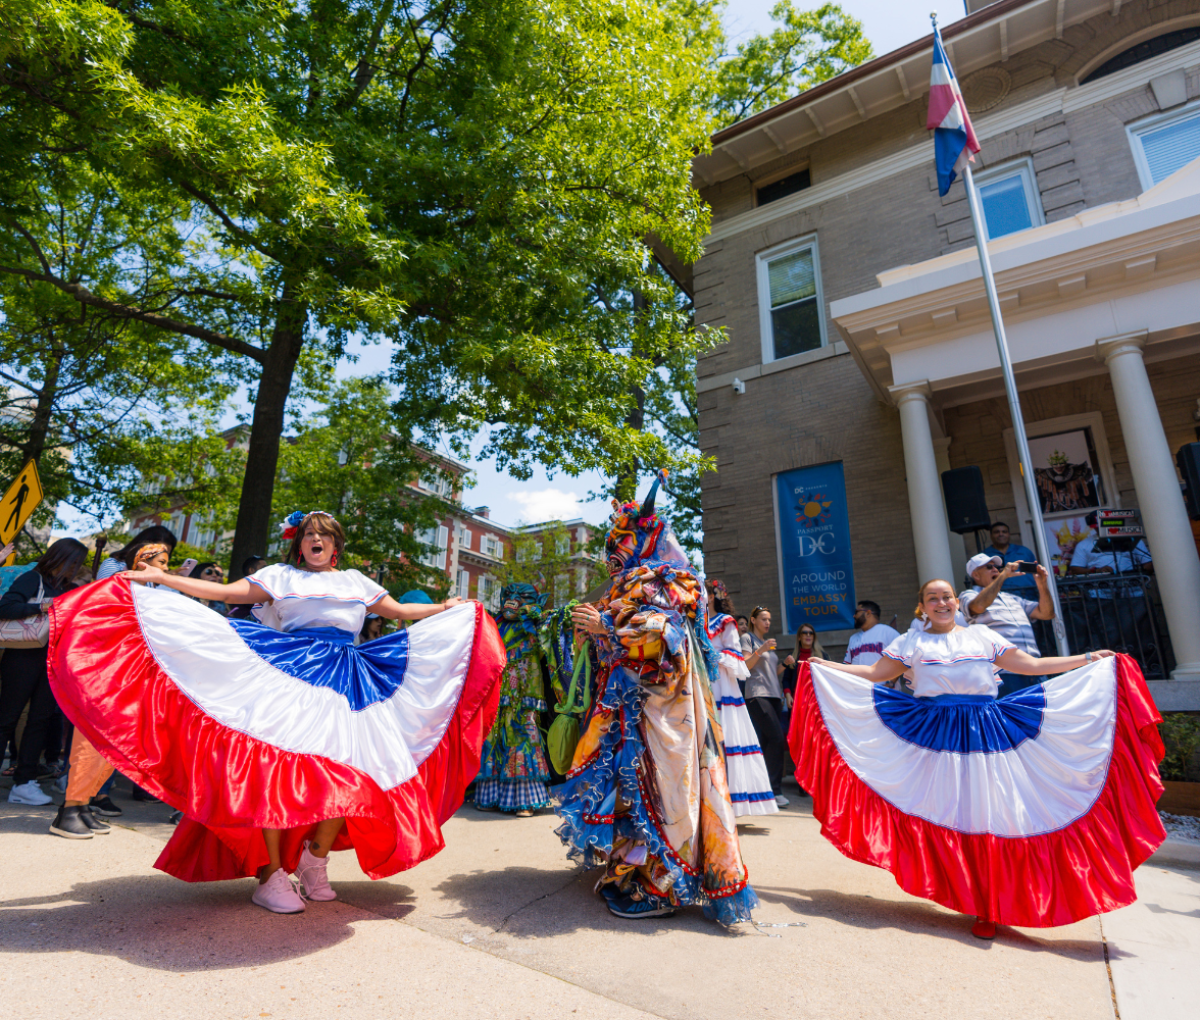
[1121, 613]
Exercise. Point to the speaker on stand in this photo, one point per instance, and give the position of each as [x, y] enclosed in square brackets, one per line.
[966, 505]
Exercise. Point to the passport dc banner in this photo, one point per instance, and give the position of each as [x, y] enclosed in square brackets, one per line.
[816, 571]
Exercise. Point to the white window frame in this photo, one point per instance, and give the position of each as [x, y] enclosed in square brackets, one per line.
[1033, 197]
[464, 584]
[464, 538]
[761, 262]
[1134, 131]
[562, 545]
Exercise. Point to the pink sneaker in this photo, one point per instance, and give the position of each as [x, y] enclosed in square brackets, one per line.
[278, 895]
[313, 875]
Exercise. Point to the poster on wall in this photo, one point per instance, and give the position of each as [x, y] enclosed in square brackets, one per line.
[815, 566]
[1065, 468]
[1062, 536]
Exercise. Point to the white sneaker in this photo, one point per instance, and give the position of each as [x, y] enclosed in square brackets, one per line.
[313, 876]
[781, 801]
[29, 793]
[278, 895]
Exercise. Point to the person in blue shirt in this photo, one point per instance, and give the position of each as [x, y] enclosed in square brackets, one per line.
[1022, 585]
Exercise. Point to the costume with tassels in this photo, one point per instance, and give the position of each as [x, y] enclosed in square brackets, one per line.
[514, 774]
[647, 795]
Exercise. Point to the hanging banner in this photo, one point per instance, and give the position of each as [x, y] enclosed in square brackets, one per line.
[816, 571]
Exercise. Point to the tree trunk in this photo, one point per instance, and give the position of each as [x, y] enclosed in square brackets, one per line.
[625, 483]
[39, 426]
[266, 431]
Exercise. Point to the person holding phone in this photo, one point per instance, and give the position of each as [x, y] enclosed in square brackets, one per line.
[1010, 616]
[764, 696]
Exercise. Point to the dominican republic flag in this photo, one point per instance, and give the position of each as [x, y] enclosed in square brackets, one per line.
[1030, 810]
[954, 141]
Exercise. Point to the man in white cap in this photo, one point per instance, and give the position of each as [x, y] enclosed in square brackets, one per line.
[1008, 615]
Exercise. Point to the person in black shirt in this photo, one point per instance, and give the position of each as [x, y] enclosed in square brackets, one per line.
[23, 677]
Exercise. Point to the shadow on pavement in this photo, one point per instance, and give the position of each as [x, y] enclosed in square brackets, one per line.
[915, 916]
[161, 923]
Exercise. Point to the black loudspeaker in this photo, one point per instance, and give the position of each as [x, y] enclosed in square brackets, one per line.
[966, 507]
[1188, 459]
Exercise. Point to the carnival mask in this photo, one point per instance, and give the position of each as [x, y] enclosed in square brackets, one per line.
[516, 596]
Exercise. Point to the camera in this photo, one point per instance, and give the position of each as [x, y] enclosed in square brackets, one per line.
[1025, 567]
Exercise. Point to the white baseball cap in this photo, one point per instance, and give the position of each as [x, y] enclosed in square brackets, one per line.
[982, 560]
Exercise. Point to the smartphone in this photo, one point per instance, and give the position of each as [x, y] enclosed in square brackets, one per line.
[1025, 567]
[187, 566]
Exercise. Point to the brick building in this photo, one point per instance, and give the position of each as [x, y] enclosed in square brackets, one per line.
[1088, 112]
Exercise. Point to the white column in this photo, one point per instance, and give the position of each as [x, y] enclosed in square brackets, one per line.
[925, 503]
[1168, 531]
[958, 543]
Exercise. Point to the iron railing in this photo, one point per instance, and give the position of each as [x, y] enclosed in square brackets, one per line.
[1118, 612]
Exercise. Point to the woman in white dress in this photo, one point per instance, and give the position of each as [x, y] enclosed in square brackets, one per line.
[749, 784]
[1030, 810]
[276, 737]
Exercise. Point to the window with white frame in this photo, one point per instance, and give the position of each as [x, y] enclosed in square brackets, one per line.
[439, 538]
[1010, 198]
[464, 538]
[562, 589]
[488, 592]
[437, 483]
[1165, 143]
[490, 545]
[463, 587]
[791, 308]
[562, 545]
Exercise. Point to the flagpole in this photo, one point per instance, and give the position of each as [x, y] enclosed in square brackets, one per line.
[1014, 402]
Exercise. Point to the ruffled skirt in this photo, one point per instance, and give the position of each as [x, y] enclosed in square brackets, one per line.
[1033, 810]
[745, 767]
[241, 727]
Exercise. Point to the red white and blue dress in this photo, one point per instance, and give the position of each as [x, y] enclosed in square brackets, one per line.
[745, 767]
[1030, 810]
[280, 722]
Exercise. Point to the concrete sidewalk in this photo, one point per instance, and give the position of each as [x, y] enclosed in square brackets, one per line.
[501, 925]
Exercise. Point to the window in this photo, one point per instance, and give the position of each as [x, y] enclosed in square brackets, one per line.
[463, 587]
[562, 545]
[527, 551]
[1164, 143]
[438, 537]
[437, 483]
[789, 185]
[789, 297]
[464, 538]
[489, 592]
[1144, 51]
[490, 545]
[1010, 199]
[562, 590]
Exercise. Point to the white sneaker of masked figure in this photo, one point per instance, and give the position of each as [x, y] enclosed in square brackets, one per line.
[278, 895]
[313, 875]
[29, 793]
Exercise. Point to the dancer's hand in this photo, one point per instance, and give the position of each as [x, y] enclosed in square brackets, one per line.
[588, 617]
[143, 574]
[451, 603]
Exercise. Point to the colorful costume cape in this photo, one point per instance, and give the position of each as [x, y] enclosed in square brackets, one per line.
[243, 727]
[647, 794]
[1031, 810]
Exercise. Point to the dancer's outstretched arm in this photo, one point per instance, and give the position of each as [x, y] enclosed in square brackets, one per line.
[879, 672]
[1016, 661]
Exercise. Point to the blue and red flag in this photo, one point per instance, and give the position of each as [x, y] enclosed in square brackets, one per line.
[954, 141]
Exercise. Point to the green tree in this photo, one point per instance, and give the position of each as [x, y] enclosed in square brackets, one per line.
[452, 174]
[345, 459]
[551, 559]
[807, 48]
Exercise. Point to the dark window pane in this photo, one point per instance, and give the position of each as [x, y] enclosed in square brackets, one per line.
[797, 328]
[787, 186]
[1144, 51]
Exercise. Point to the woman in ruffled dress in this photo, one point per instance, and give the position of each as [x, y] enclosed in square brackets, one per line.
[1031, 810]
[647, 795]
[276, 737]
[749, 784]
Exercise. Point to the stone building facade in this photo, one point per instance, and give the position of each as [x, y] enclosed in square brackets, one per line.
[1069, 99]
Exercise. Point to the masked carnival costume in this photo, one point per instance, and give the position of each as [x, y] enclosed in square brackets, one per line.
[515, 772]
[647, 795]
[749, 783]
[279, 721]
[1031, 810]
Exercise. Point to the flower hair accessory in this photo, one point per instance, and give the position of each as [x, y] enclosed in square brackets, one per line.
[297, 517]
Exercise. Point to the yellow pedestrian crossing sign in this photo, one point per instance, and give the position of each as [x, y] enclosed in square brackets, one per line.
[19, 502]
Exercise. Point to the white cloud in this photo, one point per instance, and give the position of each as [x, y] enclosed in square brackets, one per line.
[547, 504]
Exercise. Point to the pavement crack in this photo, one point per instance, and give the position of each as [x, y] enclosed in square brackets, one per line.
[537, 899]
[1112, 988]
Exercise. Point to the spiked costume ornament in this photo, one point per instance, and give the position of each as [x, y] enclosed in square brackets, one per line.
[647, 795]
[515, 774]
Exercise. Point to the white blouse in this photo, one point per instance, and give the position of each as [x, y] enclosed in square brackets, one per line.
[303, 598]
[960, 662]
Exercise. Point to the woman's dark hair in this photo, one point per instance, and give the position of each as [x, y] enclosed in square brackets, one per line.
[199, 568]
[156, 534]
[62, 560]
[249, 561]
[323, 524]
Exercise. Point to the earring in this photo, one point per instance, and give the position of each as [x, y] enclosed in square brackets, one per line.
[333, 563]
[300, 557]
